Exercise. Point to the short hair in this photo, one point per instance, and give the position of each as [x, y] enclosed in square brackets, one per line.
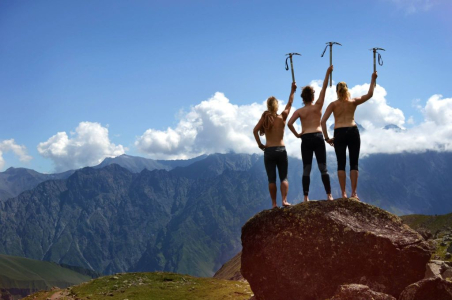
[307, 94]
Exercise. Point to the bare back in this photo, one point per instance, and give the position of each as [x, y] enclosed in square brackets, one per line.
[310, 118]
[275, 134]
[344, 113]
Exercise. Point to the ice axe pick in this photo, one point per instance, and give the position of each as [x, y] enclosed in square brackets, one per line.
[289, 56]
[380, 60]
[330, 44]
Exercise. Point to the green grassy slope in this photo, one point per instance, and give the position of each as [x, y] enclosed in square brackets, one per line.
[433, 223]
[154, 286]
[24, 273]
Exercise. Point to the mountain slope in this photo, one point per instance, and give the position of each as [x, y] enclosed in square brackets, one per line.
[22, 276]
[188, 219]
[16, 180]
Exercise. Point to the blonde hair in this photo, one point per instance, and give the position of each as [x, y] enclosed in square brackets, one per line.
[342, 90]
[272, 104]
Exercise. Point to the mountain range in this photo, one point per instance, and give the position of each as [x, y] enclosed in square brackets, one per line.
[187, 217]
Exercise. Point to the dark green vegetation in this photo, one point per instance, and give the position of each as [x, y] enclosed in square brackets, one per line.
[437, 229]
[21, 276]
[188, 219]
[144, 286]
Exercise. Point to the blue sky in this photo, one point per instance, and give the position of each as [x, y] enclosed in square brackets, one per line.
[128, 73]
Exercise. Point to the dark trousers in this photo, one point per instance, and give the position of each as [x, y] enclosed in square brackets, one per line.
[276, 157]
[347, 137]
[313, 143]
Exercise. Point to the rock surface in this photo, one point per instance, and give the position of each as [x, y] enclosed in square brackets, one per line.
[308, 250]
[438, 269]
[432, 288]
[359, 292]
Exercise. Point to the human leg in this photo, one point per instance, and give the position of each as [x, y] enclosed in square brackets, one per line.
[270, 167]
[340, 147]
[320, 155]
[306, 156]
[354, 145]
[283, 164]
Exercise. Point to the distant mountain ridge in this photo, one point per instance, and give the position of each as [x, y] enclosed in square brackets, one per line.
[136, 164]
[14, 181]
[188, 219]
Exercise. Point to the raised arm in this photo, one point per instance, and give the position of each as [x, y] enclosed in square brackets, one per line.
[370, 93]
[256, 135]
[321, 99]
[286, 111]
[295, 116]
[325, 118]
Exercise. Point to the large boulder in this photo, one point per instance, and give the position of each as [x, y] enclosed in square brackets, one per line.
[359, 292]
[308, 250]
[431, 288]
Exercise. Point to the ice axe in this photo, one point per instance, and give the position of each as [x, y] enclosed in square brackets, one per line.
[330, 44]
[291, 64]
[380, 60]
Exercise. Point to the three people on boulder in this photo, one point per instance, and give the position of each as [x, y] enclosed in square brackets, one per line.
[346, 135]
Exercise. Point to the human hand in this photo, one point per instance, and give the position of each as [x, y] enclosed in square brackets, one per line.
[262, 147]
[330, 142]
[298, 135]
[330, 69]
[374, 75]
[294, 87]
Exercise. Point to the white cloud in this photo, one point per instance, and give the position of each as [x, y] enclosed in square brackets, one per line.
[87, 146]
[218, 126]
[19, 150]
[213, 126]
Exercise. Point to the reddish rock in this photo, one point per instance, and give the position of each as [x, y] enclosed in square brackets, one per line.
[359, 292]
[428, 289]
[308, 250]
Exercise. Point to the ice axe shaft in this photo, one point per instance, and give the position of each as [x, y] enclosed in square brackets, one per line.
[380, 60]
[291, 64]
[330, 44]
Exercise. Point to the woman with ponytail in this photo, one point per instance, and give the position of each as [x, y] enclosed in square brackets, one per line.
[346, 133]
[272, 126]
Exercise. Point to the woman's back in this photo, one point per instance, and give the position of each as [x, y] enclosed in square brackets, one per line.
[344, 113]
[275, 134]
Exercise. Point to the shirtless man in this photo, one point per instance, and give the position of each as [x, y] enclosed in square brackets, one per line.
[311, 136]
[272, 125]
[346, 133]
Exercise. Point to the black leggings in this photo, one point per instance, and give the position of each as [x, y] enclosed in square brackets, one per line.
[347, 137]
[310, 143]
[276, 157]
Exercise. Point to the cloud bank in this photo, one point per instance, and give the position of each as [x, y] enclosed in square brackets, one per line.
[87, 146]
[19, 150]
[218, 126]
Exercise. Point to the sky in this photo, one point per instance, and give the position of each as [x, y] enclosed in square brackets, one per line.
[85, 80]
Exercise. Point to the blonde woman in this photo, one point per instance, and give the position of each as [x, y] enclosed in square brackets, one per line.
[275, 156]
[346, 133]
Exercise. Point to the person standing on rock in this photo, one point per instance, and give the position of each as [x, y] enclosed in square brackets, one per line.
[311, 136]
[346, 133]
[275, 156]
